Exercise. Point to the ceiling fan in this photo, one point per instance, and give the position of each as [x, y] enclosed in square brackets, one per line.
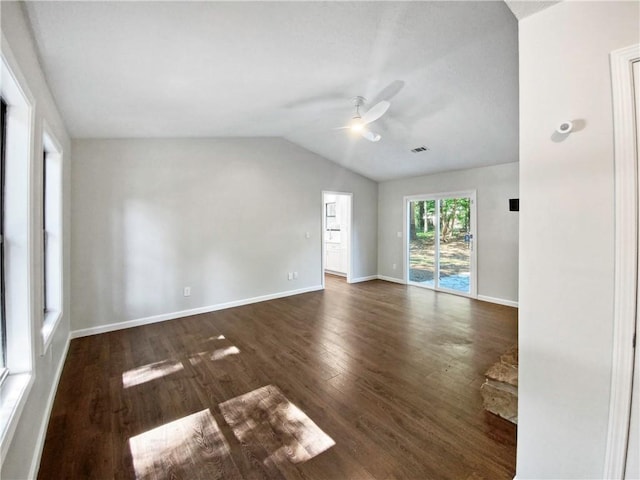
[359, 122]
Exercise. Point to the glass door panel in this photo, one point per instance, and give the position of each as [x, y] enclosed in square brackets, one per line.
[440, 248]
[422, 242]
[455, 244]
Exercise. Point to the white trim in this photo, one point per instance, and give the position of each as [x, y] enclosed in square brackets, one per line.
[13, 397]
[392, 279]
[406, 236]
[42, 434]
[364, 279]
[443, 290]
[323, 250]
[349, 272]
[438, 195]
[499, 301]
[483, 298]
[55, 235]
[85, 332]
[350, 240]
[49, 325]
[20, 124]
[626, 262]
[21, 119]
[335, 274]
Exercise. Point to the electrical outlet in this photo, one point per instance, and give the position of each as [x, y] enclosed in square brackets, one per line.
[307, 235]
[399, 234]
[290, 276]
[186, 291]
[295, 275]
[394, 266]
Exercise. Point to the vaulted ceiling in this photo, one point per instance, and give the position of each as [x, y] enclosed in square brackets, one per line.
[290, 69]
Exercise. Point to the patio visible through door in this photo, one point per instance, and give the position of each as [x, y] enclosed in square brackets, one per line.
[441, 237]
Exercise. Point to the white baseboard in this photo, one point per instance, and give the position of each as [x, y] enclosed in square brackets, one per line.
[334, 273]
[484, 298]
[499, 301]
[85, 332]
[364, 279]
[391, 279]
[42, 433]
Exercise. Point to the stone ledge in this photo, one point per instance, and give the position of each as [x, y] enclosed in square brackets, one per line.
[500, 401]
[500, 389]
[501, 372]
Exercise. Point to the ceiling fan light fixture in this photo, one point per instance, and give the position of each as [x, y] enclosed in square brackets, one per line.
[357, 125]
[371, 136]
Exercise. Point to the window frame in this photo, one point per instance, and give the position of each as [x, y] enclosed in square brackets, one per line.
[43, 204]
[4, 370]
[51, 237]
[19, 245]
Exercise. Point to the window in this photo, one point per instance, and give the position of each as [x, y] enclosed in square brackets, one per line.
[51, 229]
[18, 124]
[44, 233]
[3, 326]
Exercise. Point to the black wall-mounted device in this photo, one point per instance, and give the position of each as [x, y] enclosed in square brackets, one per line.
[514, 204]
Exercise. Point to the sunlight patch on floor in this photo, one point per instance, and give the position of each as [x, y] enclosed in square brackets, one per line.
[217, 354]
[177, 449]
[265, 417]
[149, 372]
[221, 353]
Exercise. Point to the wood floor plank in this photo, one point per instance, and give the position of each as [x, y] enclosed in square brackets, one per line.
[389, 373]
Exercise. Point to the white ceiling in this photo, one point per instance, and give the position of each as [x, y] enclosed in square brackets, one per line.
[524, 8]
[289, 69]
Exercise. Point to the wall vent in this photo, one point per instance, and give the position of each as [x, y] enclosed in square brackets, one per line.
[420, 149]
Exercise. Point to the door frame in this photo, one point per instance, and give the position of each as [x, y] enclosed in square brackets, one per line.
[626, 259]
[350, 234]
[473, 277]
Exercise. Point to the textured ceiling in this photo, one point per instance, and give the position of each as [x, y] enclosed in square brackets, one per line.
[289, 69]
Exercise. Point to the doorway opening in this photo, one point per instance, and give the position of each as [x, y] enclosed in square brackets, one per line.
[336, 234]
[441, 242]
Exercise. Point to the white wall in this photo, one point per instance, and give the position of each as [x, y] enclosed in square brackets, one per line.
[24, 451]
[497, 235]
[566, 236]
[226, 217]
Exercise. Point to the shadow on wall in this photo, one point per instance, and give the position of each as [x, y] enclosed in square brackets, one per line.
[559, 134]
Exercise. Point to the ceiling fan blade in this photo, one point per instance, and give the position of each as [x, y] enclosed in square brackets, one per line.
[371, 136]
[388, 92]
[328, 101]
[375, 112]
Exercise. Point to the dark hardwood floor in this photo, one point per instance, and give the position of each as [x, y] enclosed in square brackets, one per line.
[371, 380]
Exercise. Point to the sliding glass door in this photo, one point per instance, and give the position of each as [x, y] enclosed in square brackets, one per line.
[441, 237]
[423, 236]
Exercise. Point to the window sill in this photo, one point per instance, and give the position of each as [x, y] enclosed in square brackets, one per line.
[49, 325]
[13, 396]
